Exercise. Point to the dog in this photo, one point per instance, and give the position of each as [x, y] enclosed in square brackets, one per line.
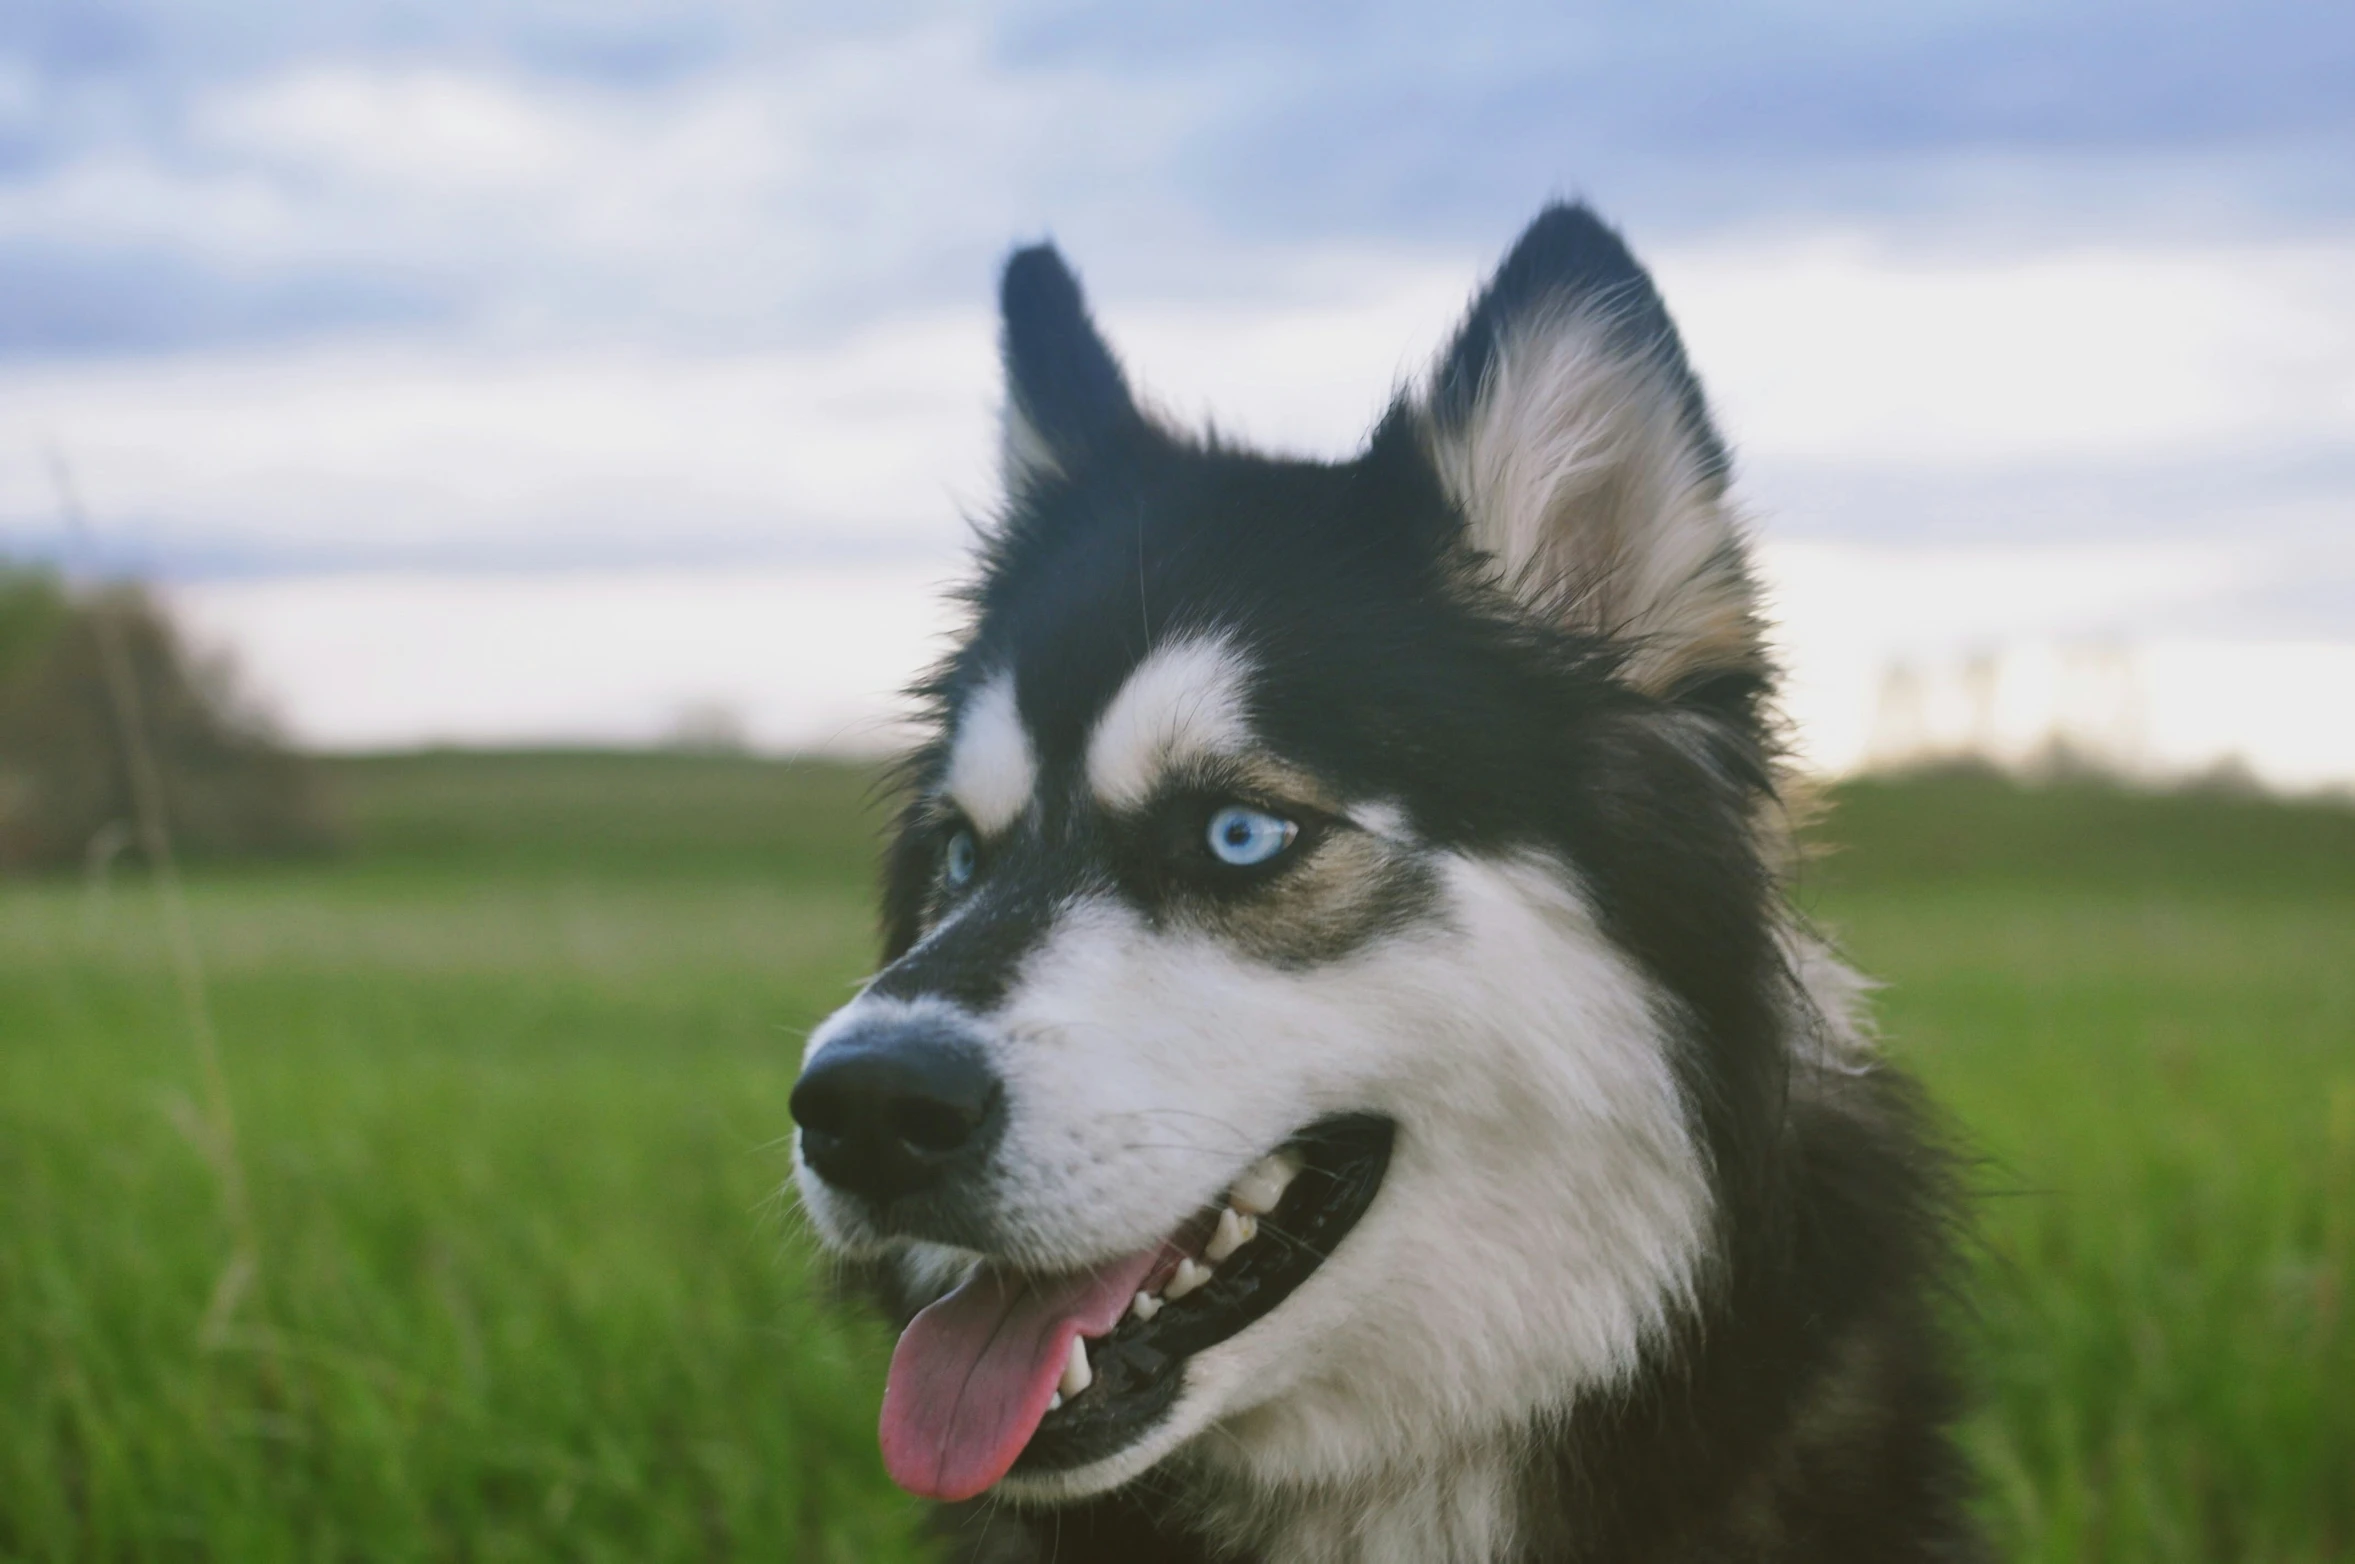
[1346, 1082]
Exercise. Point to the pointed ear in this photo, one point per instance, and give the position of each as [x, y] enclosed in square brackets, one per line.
[1065, 395]
[1568, 428]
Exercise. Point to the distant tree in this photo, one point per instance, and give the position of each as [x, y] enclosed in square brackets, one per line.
[230, 786]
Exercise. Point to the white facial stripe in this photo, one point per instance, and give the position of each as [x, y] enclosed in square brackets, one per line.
[991, 771]
[1184, 702]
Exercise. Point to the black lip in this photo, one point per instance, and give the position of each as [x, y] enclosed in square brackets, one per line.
[1342, 1163]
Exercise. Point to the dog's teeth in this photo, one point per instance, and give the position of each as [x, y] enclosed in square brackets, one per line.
[1234, 1231]
[1144, 1306]
[1077, 1376]
[1189, 1276]
[1055, 1402]
[1263, 1184]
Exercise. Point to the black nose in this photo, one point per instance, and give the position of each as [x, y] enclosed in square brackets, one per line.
[888, 1112]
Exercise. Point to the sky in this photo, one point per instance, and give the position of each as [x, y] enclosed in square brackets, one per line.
[509, 370]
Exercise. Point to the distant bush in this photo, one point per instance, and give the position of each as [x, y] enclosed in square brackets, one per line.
[229, 786]
[1973, 823]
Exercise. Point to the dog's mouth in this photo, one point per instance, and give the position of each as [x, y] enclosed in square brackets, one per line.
[1017, 1371]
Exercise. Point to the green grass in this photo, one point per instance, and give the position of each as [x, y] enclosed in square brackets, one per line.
[511, 1082]
[2141, 1011]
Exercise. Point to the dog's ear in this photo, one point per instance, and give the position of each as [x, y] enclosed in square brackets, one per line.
[1570, 431]
[1066, 398]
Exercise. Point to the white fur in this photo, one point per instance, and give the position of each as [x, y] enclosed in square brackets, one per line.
[1025, 458]
[1184, 702]
[1579, 480]
[992, 771]
[1457, 1508]
[1546, 1211]
[934, 1270]
[1381, 818]
[1836, 1031]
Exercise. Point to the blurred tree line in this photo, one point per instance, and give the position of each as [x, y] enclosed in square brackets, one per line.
[229, 785]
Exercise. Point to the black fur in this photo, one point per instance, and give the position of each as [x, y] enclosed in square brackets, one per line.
[1802, 1414]
[1061, 377]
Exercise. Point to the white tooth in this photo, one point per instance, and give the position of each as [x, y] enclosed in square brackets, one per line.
[1055, 1402]
[1234, 1231]
[1263, 1184]
[1144, 1306]
[1077, 1376]
[1189, 1276]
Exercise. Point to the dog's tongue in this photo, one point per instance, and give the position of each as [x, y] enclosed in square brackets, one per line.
[973, 1374]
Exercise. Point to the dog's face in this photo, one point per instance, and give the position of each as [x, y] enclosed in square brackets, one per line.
[1308, 923]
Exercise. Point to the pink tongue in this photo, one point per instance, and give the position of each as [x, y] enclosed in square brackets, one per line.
[973, 1374]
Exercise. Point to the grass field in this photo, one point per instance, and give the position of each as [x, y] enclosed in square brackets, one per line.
[510, 1080]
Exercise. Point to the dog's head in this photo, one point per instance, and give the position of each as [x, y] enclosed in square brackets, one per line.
[1324, 930]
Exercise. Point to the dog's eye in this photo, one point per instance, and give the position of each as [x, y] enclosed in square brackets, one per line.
[1244, 837]
[959, 860]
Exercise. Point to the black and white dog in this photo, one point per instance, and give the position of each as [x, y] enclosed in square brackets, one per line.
[1346, 1083]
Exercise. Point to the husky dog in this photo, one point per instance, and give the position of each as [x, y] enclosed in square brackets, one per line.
[1345, 1083]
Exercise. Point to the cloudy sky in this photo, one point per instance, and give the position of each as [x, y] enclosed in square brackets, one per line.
[421, 347]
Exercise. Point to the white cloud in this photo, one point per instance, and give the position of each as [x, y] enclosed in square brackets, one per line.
[1830, 361]
[1846, 615]
[750, 201]
[2278, 706]
[805, 659]
[436, 127]
[1310, 364]
[1834, 350]
[812, 658]
[875, 442]
[1823, 359]
[122, 196]
[742, 311]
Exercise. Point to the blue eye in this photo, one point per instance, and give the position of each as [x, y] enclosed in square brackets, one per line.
[962, 858]
[1244, 837]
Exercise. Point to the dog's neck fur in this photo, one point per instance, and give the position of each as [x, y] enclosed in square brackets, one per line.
[1451, 1504]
